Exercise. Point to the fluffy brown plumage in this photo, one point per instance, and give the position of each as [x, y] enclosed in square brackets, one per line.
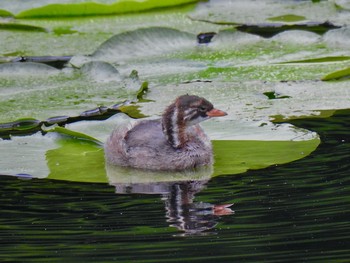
[173, 143]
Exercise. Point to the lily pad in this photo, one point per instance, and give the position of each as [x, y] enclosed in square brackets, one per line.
[4, 13]
[144, 43]
[75, 156]
[233, 157]
[254, 12]
[54, 8]
[42, 91]
[93, 8]
[21, 27]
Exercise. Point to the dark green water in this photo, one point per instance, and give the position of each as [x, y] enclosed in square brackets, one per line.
[297, 212]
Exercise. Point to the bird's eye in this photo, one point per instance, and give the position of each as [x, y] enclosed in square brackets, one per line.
[202, 108]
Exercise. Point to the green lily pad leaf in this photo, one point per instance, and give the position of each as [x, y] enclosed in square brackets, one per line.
[20, 126]
[76, 160]
[319, 60]
[21, 27]
[94, 8]
[39, 91]
[4, 13]
[258, 154]
[338, 75]
[287, 18]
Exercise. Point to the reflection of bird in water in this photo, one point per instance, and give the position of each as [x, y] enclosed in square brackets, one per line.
[181, 212]
[188, 216]
[178, 194]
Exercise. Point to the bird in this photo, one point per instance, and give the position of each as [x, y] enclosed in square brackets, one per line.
[174, 142]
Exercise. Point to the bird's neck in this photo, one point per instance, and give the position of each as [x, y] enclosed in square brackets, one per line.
[174, 127]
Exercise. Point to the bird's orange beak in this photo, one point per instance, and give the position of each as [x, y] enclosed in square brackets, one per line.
[216, 113]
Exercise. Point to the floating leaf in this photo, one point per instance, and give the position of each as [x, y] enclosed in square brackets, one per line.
[287, 18]
[338, 75]
[4, 13]
[21, 27]
[42, 91]
[21, 124]
[91, 8]
[319, 60]
[239, 156]
[77, 161]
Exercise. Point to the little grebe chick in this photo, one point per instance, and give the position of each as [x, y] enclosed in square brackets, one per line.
[173, 143]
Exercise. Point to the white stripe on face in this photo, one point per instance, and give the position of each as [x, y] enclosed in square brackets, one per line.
[175, 127]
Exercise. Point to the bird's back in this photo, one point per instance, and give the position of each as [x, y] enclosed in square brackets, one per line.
[144, 146]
